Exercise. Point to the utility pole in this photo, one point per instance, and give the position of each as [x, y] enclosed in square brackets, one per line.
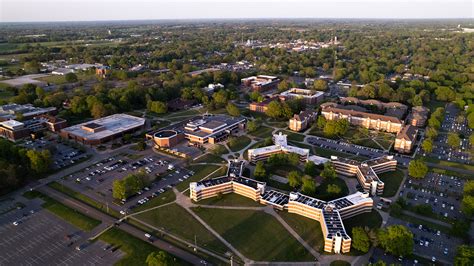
[195, 243]
[231, 260]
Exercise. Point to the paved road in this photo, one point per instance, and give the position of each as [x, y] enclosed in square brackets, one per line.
[109, 221]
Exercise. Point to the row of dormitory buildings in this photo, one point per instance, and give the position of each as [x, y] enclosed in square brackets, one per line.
[329, 214]
[406, 133]
[366, 171]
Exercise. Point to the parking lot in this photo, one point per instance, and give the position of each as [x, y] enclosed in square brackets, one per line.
[40, 238]
[96, 181]
[441, 149]
[441, 192]
[430, 242]
[62, 154]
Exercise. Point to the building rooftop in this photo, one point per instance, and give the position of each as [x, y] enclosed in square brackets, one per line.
[355, 113]
[408, 133]
[9, 111]
[112, 125]
[302, 93]
[209, 125]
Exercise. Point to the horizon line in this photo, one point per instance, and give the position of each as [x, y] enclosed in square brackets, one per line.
[243, 18]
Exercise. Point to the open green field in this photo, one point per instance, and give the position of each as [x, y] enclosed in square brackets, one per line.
[230, 199]
[371, 220]
[392, 181]
[262, 132]
[292, 136]
[308, 229]
[64, 212]
[200, 171]
[238, 143]
[179, 222]
[136, 249]
[321, 190]
[256, 234]
[165, 197]
[448, 163]
[209, 158]
[83, 198]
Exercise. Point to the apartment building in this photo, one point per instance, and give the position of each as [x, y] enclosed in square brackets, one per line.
[406, 139]
[280, 146]
[308, 96]
[261, 83]
[366, 171]
[232, 182]
[418, 116]
[262, 106]
[330, 214]
[303, 120]
[389, 124]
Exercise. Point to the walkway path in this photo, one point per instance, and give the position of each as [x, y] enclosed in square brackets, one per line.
[288, 228]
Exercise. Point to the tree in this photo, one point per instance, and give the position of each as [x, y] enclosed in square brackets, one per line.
[464, 255]
[454, 140]
[336, 127]
[293, 159]
[321, 123]
[294, 179]
[310, 168]
[309, 186]
[157, 107]
[417, 168]
[427, 145]
[159, 258]
[260, 173]
[470, 120]
[256, 96]
[274, 109]
[70, 77]
[98, 110]
[119, 190]
[141, 145]
[40, 161]
[328, 171]
[467, 205]
[431, 132]
[360, 239]
[333, 189]
[232, 109]
[253, 125]
[320, 85]
[396, 239]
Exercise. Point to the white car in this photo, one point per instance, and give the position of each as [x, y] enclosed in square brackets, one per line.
[15, 223]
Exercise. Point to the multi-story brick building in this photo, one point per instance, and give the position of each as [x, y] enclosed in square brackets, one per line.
[261, 83]
[301, 121]
[406, 139]
[308, 96]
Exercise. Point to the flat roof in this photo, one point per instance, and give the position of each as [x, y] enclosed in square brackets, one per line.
[113, 124]
[215, 123]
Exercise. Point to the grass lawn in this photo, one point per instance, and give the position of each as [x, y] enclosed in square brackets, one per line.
[236, 144]
[262, 132]
[64, 212]
[448, 163]
[371, 220]
[392, 181]
[340, 263]
[200, 171]
[136, 249]
[293, 136]
[187, 227]
[230, 199]
[256, 234]
[165, 197]
[321, 190]
[209, 158]
[415, 220]
[83, 198]
[308, 229]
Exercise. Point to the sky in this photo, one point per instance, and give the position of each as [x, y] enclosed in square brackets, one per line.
[95, 10]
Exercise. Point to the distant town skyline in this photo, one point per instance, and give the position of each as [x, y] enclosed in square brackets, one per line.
[103, 10]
